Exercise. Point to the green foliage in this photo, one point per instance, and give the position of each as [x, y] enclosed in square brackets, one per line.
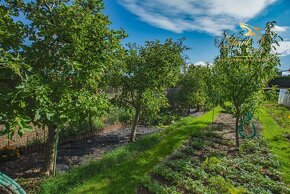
[83, 127]
[70, 49]
[253, 171]
[125, 116]
[97, 123]
[272, 94]
[122, 170]
[279, 113]
[193, 87]
[156, 187]
[211, 163]
[146, 74]
[13, 70]
[241, 73]
[118, 114]
[275, 129]
[163, 118]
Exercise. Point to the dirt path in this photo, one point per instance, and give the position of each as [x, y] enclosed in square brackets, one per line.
[71, 154]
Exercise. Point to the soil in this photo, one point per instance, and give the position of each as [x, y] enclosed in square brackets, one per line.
[71, 154]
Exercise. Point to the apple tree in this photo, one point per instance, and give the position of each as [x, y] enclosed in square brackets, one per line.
[69, 47]
[242, 71]
[148, 71]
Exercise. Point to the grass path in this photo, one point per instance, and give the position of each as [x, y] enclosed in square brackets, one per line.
[275, 135]
[122, 169]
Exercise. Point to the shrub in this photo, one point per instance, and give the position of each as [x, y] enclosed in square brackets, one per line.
[125, 116]
[97, 123]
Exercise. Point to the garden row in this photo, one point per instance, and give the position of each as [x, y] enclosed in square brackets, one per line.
[207, 164]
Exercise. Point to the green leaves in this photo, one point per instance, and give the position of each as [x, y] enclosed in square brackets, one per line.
[19, 123]
[59, 76]
[193, 87]
[242, 72]
[148, 71]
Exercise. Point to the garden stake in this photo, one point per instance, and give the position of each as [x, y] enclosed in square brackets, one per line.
[55, 151]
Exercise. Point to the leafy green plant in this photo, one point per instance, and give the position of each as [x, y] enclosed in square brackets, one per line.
[241, 73]
[163, 118]
[59, 75]
[125, 116]
[193, 88]
[147, 72]
[97, 123]
[253, 171]
[211, 163]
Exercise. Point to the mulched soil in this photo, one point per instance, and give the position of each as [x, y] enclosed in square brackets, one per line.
[71, 154]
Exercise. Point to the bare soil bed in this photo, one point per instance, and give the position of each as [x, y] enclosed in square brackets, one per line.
[27, 169]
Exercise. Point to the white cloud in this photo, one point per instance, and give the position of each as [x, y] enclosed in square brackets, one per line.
[283, 49]
[202, 63]
[211, 16]
[280, 28]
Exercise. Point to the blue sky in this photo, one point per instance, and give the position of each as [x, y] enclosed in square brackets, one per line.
[198, 21]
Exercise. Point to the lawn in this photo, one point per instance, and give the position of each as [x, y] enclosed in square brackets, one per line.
[121, 170]
[276, 131]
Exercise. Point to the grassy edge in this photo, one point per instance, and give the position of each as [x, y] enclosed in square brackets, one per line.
[112, 174]
[279, 146]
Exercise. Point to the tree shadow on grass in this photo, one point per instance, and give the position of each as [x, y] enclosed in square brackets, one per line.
[125, 177]
[120, 170]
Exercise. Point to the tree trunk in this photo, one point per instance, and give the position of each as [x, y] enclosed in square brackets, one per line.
[134, 126]
[50, 151]
[237, 132]
[188, 112]
[197, 109]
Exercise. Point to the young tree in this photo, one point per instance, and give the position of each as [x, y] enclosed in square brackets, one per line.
[148, 71]
[193, 91]
[69, 49]
[241, 72]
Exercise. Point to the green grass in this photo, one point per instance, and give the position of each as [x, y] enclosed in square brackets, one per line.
[273, 117]
[279, 113]
[121, 170]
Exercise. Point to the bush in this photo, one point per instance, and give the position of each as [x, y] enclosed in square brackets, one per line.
[97, 123]
[121, 115]
[166, 118]
[125, 116]
[83, 127]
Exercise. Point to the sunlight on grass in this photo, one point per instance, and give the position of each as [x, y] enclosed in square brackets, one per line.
[275, 135]
[121, 170]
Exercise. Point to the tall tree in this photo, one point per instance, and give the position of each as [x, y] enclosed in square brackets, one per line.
[70, 47]
[12, 71]
[241, 71]
[148, 71]
[193, 91]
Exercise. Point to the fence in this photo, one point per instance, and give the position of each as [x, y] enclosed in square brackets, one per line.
[11, 150]
[284, 97]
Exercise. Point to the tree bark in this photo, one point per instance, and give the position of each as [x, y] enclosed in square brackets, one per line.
[50, 151]
[237, 132]
[188, 112]
[134, 126]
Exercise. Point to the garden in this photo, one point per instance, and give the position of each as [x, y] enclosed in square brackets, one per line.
[81, 112]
